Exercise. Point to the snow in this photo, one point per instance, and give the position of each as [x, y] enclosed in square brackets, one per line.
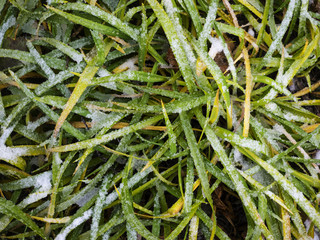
[33, 125]
[307, 224]
[129, 65]
[5, 134]
[251, 32]
[11, 21]
[238, 158]
[10, 154]
[34, 197]
[317, 155]
[87, 197]
[103, 72]
[76, 222]
[194, 224]
[216, 47]
[43, 181]
[42, 185]
[40, 61]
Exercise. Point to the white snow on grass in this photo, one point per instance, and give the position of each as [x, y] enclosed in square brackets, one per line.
[216, 47]
[129, 65]
[42, 187]
[307, 224]
[194, 225]
[103, 72]
[5, 134]
[251, 32]
[75, 223]
[317, 155]
[34, 125]
[11, 21]
[87, 197]
[10, 154]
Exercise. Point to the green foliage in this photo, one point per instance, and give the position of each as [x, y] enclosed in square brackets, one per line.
[126, 119]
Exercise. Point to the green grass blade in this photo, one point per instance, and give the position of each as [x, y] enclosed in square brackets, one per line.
[175, 43]
[196, 156]
[298, 196]
[54, 116]
[234, 176]
[126, 201]
[88, 23]
[69, 51]
[10, 209]
[107, 137]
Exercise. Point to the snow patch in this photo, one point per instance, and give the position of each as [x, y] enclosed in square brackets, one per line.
[216, 47]
[10, 153]
[129, 65]
[317, 155]
[103, 72]
[251, 32]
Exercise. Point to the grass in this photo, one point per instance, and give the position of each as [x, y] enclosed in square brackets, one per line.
[117, 122]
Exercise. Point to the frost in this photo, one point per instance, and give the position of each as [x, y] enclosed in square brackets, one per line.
[134, 180]
[87, 197]
[162, 65]
[238, 158]
[111, 85]
[103, 72]
[263, 177]
[307, 224]
[42, 186]
[317, 155]
[40, 61]
[185, 44]
[216, 47]
[98, 118]
[251, 32]
[33, 125]
[106, 236]
[282, 30]
[128, 90]
[128, 65]
[76, 222]
[271, 106]
[194, 224]
[11, 21]
[102, 120]
[11, 153]
[5, 134]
